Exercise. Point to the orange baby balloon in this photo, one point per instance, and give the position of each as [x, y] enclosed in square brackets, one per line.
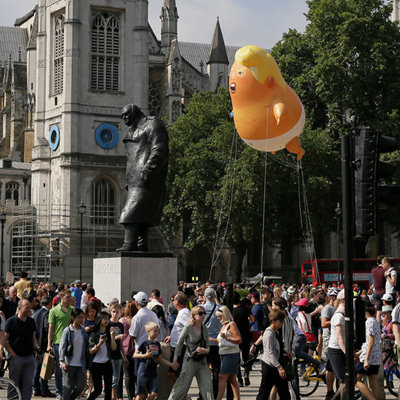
[268, 114]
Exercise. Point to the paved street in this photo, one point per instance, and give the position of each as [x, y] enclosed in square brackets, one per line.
[246, 393]
[250, 392]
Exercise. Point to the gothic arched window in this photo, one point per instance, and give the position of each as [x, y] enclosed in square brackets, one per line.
[154, 100]
[103, 202]
[105, 51]
[58, 51]
[12, 191]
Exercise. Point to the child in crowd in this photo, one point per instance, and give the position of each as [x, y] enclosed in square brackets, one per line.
[149, 355]
[118, 356]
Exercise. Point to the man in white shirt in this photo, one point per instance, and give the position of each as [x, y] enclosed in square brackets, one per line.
[181, 304]
[391, 277]
[326, 315]
[396, 328]
[143, 316]
[155, 300]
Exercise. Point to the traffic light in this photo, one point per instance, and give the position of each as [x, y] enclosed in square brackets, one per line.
[368, 144]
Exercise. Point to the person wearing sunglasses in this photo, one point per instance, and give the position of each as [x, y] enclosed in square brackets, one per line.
[195, 335]
[228, 340]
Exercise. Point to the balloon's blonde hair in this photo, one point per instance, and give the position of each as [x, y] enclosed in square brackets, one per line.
[261, 64]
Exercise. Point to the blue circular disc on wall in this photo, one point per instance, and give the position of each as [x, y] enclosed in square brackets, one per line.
[106, 136]
[54, 137]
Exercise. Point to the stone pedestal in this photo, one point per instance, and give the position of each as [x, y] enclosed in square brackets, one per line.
[118, 274]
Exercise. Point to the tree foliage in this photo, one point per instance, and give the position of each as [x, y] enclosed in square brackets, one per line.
[347, 62]
[216, 181]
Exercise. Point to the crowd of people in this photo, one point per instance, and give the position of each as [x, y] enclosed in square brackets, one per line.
[99, 347]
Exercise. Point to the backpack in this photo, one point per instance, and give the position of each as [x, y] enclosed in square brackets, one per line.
[265, 321]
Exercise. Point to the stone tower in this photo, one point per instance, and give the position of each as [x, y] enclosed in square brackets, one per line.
[169, 25]
[92, 58]
[396, 10]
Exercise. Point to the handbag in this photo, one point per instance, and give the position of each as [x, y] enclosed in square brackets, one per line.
[309, 336]
[284, 360]
[202, 343]
[287, 365]
[48, 364]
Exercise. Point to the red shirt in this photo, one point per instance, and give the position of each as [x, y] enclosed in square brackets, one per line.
[378, 274]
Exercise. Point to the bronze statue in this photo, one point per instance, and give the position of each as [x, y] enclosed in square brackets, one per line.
[146, 142]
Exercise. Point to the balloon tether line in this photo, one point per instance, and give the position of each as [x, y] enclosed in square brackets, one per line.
[215, 257]
[264, 198]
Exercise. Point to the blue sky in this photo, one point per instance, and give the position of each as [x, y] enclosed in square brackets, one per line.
[243, 22]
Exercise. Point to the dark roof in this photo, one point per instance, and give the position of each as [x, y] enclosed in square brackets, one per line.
[20, 76]
[20, 21]
[12, 42]
[217, 50]
[196, 52]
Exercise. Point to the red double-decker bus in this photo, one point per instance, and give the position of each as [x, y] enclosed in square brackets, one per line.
[326, 271]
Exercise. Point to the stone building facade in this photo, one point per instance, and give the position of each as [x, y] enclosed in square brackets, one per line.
[69, 68]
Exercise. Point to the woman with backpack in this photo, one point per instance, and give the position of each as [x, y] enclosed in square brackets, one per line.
[73, 350]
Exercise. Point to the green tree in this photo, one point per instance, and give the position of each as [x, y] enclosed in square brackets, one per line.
[346, 62]
[218, 180]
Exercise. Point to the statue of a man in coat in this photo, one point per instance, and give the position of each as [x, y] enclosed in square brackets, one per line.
[146, 142]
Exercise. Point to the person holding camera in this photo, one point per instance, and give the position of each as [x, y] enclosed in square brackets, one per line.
[73, 349]
[195, 335]
[101, 342]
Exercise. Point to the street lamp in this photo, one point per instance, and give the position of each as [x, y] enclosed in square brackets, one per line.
[81, 210]
[338, 212]
[3, 221]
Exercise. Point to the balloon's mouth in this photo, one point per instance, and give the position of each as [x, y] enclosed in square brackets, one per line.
[233, 87]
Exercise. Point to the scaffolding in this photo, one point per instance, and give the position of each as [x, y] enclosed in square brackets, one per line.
[42, 237]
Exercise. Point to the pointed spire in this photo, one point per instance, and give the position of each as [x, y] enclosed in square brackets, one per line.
[217, 49]
[169, 11]
[169, 4]
[169, 23]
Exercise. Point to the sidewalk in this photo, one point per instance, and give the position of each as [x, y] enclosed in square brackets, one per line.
[246, 393]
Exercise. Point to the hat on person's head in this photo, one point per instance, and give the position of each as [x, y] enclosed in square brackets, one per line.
[141, 298]
[291, 290]
[210, 293]
[77, 281]
[387, 309]
[302, 302]
[188, 291]
[333, 291]
[341, 294]
[387, 297]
